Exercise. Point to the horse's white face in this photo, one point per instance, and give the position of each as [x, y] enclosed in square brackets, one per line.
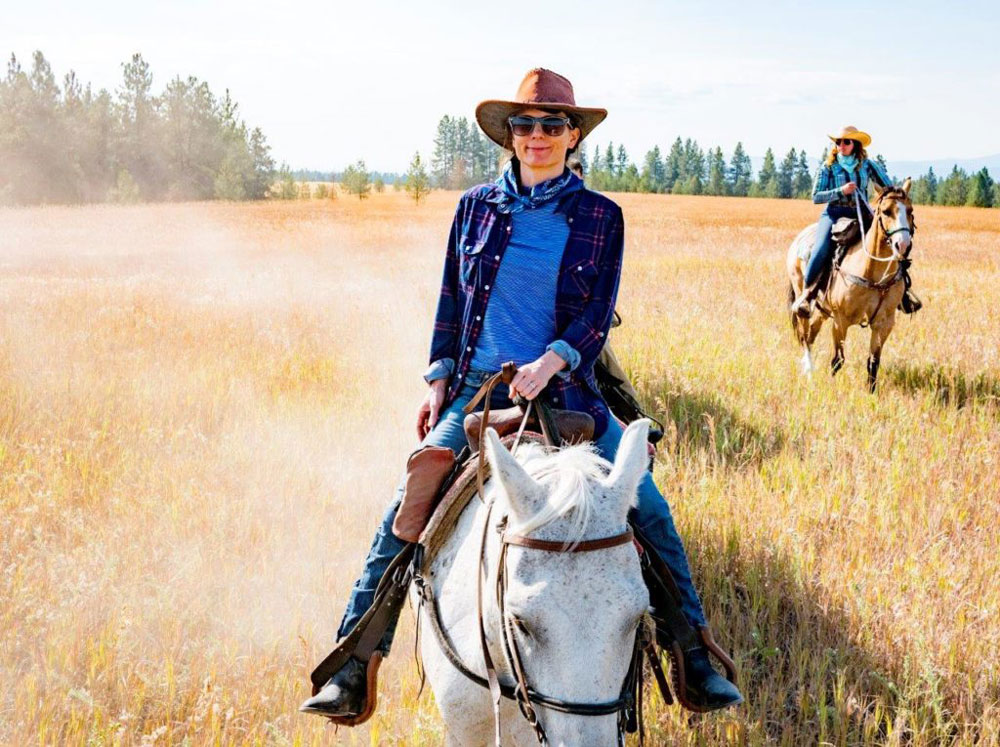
[575, 614]
[898, 217]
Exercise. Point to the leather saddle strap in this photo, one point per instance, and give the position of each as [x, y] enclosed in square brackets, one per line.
[491, 672]
[364, 639]
[603, 543]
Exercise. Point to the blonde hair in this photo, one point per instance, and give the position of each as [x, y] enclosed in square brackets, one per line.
[859, 151]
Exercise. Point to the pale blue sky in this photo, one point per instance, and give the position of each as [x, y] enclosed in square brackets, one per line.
[329, 82]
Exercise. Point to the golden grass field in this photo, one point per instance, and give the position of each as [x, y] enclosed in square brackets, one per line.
[204, 409]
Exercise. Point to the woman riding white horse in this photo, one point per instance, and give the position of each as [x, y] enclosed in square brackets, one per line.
[531, 275]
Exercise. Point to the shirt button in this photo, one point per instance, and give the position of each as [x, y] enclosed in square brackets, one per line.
[508, 229]
[459, 376]
[496, 257]
[555, 399]
[580, 268]
[478, 318]
[600, 334]
[468, 350]
[486, 287]
[569, 220]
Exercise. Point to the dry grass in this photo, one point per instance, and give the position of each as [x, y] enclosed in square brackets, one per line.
[204, 408]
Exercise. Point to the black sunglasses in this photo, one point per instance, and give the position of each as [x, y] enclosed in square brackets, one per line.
[841, 141]
[552, 126]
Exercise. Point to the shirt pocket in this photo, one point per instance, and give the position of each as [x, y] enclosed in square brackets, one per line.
[470, 253]
[580, 281]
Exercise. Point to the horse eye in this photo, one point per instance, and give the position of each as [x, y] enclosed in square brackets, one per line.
[518, 623]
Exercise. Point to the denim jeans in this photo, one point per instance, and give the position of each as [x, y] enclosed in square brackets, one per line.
[823, 246]
[652, 515]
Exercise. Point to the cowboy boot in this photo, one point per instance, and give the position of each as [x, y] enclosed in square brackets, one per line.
[344, 694]
[697, 685]
[802, 307]
[910, 303]
[702, 688]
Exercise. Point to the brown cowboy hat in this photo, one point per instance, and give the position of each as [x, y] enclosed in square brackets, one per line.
[540, 89]
[853, 133]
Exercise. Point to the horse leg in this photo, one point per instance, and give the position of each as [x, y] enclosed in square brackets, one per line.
[880, 332]
[839, 333]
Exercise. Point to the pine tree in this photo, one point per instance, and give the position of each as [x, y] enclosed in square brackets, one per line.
[786, 174]
[672, 166]
[652, 176]
[716, 173]
[954, 189]
[417, 184]
[767, 181]
[443, 160]
[803, 182]
[980, 192]
[740, 173]
[356, 180]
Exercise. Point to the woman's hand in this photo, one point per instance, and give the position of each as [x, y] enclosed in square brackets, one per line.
[848, 189]
[430, 408]
[532, 377]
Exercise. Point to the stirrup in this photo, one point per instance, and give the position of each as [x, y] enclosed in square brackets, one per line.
[363, 641]
[371, 694]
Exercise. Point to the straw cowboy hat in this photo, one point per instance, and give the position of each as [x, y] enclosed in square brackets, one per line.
[540, 89]
[853, 133]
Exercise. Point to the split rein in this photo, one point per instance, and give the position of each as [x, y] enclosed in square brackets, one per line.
[525, 697]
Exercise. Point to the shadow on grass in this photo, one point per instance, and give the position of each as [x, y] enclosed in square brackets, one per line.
[805, 676]
[949, 387]
[702, 423]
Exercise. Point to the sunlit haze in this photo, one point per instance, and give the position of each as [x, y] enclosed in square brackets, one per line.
[334, 81]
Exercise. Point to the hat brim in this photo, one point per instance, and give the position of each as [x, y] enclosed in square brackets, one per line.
[492, 116]
[862, 137]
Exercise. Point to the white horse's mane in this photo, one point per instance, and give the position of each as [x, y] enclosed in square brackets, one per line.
[571, 477]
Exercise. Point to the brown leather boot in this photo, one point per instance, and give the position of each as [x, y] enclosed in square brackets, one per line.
[802, 307]
[910, 303]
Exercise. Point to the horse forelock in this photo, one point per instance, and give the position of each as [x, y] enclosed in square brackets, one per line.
[572, 478]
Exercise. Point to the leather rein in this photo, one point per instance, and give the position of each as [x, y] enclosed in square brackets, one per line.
[521, 692]
[903, 261]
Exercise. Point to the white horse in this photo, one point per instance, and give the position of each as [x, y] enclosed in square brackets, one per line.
[573, 615]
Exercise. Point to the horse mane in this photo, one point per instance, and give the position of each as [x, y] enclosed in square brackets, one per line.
[571, 477]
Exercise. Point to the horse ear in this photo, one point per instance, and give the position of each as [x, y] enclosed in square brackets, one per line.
[906, 186]
[631, 461]
[520, 488]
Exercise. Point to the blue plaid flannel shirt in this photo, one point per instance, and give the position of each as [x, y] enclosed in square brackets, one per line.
[830, 180]
[586, 289]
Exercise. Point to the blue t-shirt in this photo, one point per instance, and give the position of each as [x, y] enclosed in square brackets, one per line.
[520, 320]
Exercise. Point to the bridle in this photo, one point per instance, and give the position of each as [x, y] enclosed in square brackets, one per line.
[894, 256]
[903, 261]
[625, 705]
[525, 697]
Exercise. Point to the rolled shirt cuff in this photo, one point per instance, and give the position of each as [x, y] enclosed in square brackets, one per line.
[442, 368]
[568, 353]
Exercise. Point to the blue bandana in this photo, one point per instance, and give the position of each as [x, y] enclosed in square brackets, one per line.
[848, 163]
[515, 199]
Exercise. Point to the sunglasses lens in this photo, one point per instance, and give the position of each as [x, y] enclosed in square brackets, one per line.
[551, 126]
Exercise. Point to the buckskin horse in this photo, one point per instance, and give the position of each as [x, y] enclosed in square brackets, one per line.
[865, 287]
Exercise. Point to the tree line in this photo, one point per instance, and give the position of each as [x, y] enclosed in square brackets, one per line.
[69, 143]
[462, 158]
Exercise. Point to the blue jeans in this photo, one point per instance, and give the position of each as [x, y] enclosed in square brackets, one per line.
[652, 516]
[823, 246]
